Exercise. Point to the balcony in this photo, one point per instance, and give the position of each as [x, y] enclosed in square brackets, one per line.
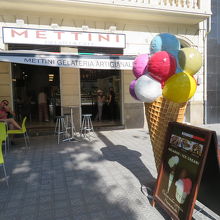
[200, 6]
[172, 11]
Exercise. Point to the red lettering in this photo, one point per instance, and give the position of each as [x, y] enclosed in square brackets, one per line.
[103, 37]
[89, 36]
[59, 33]
[76, 35]
[117, 38]
[40, 34]
[13, 33]
[198, 138]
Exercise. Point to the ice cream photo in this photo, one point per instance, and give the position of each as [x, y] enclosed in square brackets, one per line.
[175, 140]
[172, 162]
[197, 149]
[185, 144]
[183, 188]
[164, 82]
[170, 180]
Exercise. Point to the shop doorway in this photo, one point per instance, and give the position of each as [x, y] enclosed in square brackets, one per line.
[101, 84]
[28, 81]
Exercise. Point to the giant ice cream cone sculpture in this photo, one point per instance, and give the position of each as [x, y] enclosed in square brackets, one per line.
[159, 114]
[164, 82]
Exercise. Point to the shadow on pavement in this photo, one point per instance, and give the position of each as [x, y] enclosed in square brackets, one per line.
[130, 159]
[51, 181]
[203, 212]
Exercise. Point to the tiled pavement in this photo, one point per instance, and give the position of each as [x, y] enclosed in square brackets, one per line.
[97, 180]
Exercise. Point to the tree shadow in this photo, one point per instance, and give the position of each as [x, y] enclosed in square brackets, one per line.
[130, 159]
[51, 181]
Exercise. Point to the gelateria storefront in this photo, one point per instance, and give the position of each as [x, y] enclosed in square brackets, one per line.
[72, 68]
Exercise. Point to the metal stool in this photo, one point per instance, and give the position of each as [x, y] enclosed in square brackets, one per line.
[67, 123]
[69, 127]
[60, 128]
[86, 127]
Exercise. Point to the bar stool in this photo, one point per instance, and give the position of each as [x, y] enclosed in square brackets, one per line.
[67, 123]
[87, 127]
[60, 128]
[70, 123]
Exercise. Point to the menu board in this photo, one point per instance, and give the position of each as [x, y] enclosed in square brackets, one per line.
[183, 161]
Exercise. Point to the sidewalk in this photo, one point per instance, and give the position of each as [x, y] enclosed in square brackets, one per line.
[97, 180]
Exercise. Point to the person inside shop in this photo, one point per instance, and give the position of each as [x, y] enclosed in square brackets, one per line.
[27, 104]
[42, 106]
[100, 103]
[111, 103]
[7, 115]
[19, 107]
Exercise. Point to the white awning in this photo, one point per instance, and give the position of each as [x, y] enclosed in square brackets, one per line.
[124, 62]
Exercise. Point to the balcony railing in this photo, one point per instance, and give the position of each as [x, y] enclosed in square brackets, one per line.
[201, 6]
[173, 11]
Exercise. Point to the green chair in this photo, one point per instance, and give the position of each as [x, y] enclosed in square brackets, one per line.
[2, 162]
[23, 131]
[4, 136]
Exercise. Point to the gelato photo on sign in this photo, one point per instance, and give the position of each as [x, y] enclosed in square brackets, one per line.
[197, 149]
[183, 187]
[175, 140]
[192, 147]
[185, 144]
[172, 162]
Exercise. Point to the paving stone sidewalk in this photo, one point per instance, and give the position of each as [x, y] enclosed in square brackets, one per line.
[96, 180]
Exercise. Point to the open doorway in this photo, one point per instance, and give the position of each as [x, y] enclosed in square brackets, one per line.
[108, 82]
[28, 81]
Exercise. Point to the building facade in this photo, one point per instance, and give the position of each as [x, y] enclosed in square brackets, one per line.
[94, 30]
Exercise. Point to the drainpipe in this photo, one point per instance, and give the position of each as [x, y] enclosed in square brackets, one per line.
[206, 30]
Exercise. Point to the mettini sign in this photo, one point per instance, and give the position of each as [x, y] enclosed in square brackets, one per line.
[13, 35]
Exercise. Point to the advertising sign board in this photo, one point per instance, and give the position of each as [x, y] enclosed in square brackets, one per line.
[185, 156]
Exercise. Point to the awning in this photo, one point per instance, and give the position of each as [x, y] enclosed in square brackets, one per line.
[95, 61]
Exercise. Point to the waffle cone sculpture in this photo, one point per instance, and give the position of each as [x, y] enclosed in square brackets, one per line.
[159, 114]
[164, 82]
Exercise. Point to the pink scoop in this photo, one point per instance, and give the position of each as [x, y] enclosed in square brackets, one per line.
[187, 185]
[140, 65]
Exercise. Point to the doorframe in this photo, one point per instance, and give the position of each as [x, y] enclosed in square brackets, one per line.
[122, 98]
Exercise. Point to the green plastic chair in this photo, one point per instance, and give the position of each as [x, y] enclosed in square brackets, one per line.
[4, 135]
[23, 131]
[2, 162]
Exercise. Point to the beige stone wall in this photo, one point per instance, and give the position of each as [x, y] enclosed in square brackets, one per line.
[195, 113]
[70, 86]
[5, 82]
[70, 90]
[134, 116]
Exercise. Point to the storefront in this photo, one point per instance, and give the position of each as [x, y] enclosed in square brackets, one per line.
[70, 76]
[72, 65]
